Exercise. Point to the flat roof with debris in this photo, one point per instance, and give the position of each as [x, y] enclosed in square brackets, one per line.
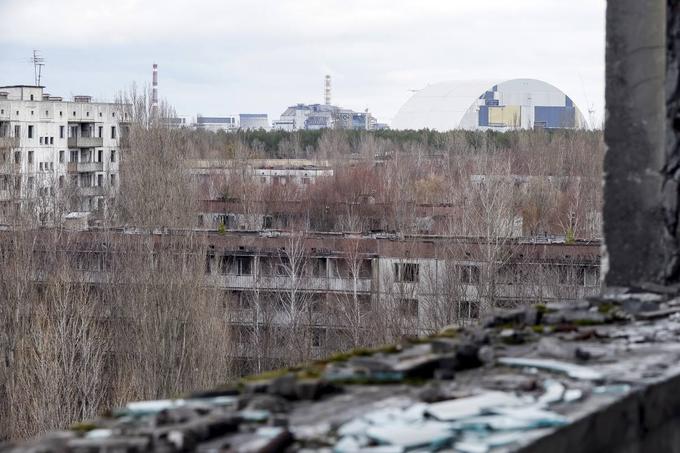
[546, 378]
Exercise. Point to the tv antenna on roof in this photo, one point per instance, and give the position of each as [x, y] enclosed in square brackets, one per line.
[38, 63]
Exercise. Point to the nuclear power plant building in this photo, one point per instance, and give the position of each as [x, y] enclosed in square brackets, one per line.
[484, 105]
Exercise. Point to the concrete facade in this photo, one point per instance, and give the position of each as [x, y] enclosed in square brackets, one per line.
[48, 145]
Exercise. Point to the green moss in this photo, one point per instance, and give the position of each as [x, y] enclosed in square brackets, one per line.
[587, 322]
[537, 329]
[451, 332]
[606, 307]
[311, 372]
[266, 375]
[83, 427]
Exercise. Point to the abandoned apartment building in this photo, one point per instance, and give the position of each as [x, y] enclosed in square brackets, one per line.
[53, 149]
[419, 282]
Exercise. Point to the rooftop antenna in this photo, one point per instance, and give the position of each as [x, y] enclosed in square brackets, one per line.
[38, 63]
[327, 90]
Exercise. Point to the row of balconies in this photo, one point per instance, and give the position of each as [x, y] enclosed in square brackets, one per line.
[84, 167]
[85, 142]
[73, 142]
[278, 283]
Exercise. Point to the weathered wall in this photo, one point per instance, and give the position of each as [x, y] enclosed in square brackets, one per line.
[639, 246]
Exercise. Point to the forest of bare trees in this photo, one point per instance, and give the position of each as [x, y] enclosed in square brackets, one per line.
[150, 326]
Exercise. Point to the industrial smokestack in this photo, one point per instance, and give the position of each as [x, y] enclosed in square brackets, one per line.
[327, 90]
[154, 91]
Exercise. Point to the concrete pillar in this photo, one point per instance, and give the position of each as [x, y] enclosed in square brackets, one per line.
[640, 201]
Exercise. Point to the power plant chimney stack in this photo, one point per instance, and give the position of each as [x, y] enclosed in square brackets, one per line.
[327, 90]
[154, 91]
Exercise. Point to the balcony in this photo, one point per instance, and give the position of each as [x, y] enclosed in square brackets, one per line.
[84, 167]
[284, 283]
[85, 142]
[9, 142]
[93, 191]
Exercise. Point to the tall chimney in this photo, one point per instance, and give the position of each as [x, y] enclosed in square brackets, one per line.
[327, 90]
[154, 92]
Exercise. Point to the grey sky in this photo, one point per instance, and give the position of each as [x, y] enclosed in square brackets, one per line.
[219, 57]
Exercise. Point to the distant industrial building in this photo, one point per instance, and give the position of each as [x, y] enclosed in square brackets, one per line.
[321, 116]
[216, 123]
[324, 116]
[253, 121]
[484, 105]
[180, 121]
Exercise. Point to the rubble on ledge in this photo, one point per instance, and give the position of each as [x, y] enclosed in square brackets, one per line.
[521, 376]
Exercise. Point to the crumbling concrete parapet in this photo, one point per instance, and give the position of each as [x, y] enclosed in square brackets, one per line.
[639, 199]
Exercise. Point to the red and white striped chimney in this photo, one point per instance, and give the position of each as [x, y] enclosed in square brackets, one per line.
[154, 91]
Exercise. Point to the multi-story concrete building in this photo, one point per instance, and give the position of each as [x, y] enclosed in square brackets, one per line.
[216, 123]
[328, 284]
[253, 121]
[322, 116]
[49, 146]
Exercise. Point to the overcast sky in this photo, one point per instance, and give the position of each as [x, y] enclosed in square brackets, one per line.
[219, 57]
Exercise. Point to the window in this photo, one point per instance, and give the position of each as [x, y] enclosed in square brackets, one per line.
[61, 131]
[468, 309]
[305, 180]
[468, 274]
[31, 100]
[236, 265]
[40, 166]
[61, 114]
[113, 180]
[100, 131]
[87, 113]
[61, 181]
[30, 157]
[17, 157]
[30, 182]
[267, 222]
[30, 131]
[239, 300]
[318, 337]
[61, 156]
[51, 165]
[74, 156]
[41, 140]
[406, 272]
[51, 140]
[17, 131]
[408, 307]
[113, 155]
[47, 113]
[100, 115]
[100, 155]
[113, 132]
[100, 180]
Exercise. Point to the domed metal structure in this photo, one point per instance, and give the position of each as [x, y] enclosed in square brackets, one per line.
[482, 105]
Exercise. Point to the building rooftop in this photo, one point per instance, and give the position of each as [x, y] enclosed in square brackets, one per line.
[543, 378]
